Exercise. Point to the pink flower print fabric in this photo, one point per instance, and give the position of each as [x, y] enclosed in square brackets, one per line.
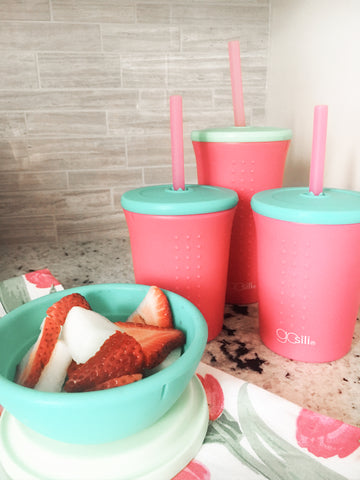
[193, 471]
[42, 278]
[324, 436]
[214, 395]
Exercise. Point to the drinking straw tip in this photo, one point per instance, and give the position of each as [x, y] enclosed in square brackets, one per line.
[233, 43]
[318, 149]
[236, 83]
[321, 108]
[177, 142]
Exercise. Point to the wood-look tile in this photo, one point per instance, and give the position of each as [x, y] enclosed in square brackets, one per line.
[158, 175]
[69, 99]
[113, 11]
[25, 10]
[163, 175]
[12, 124]
[153, 99]
[25, 230]
[106, 178]
[118, 192]
[136, 122]
[88, 226]
[31, 181]
[79, 70]
[58, 202]
[45, 36]
[70, 123]
[13, 154]
[140, 38]
[84, 102]
[201, 71]
[155, 13]
[76, 153]
[92, 200]
[143, 73]
[217, 14]
[253, 38]
[18, 70]
[207, 119]
[206, 2]
[145, 150]
[254, 96]
[194, 100]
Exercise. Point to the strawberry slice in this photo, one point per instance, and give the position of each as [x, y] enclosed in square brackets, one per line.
[156, 342]
[30, 373]
[59, 310]
[153, 310]
[117, 382]
[119, 355]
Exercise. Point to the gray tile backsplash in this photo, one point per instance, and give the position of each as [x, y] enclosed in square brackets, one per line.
[84, 102]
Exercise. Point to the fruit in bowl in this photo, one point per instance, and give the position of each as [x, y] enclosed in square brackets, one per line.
[101, 415]
[90, 352]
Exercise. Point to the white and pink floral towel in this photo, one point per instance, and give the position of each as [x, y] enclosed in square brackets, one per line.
[253, 434]
[19, 290]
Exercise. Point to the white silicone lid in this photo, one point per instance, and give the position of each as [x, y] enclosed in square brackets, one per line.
[158, 452]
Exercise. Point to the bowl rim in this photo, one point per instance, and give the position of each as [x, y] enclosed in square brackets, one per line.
[156, 380]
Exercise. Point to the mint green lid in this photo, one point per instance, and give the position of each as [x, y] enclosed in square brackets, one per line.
[241, 134]
[164, 200]
[157, 452]
[297, 204]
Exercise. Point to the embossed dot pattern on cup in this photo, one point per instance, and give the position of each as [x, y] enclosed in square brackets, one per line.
[187, 263]
[294, 273]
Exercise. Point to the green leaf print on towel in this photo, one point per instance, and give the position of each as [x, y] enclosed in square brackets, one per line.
[269, 454]
[284, 461]
[13, 293]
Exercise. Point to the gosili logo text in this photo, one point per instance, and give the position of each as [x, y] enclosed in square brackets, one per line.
[283, 336]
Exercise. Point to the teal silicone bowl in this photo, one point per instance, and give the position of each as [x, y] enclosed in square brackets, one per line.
[100, 416]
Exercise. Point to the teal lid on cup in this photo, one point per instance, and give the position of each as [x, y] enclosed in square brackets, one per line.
[164, 200]
[297, 204]
[241, 134]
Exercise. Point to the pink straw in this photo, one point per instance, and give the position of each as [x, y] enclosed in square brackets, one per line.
[318, 149]
[236, 83]
[177, 142]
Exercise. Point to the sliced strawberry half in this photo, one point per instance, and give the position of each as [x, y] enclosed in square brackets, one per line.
[156, 342]
[117, 382]
[44, 346]
[119, 355]
[59, 310]
[153, 310]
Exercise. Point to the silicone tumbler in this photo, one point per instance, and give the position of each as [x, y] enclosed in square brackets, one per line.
[308, 271]
[180, 241]
[247, 160]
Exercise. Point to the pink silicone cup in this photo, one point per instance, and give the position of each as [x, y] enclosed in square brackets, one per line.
[186, 254]
[308, 294]
[247, 168]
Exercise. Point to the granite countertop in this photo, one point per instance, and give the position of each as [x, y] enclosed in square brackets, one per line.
[330, 388]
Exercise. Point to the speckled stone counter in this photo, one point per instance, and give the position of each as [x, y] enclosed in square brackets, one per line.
[330, 388]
